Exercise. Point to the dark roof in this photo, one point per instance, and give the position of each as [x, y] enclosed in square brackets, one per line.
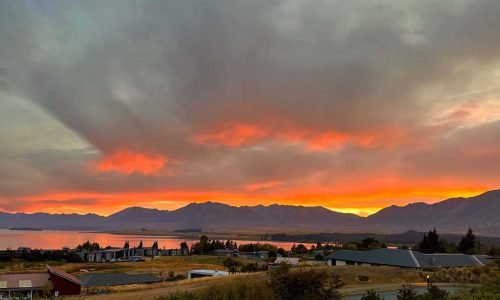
[447, 260]
[110, 279]
[390, 257]
[62, 274]
[23, 281]
[408, 258]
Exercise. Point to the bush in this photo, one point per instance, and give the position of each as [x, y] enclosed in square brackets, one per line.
[243, 288]
[434, 293]
[304, 283]
[371, 295]
[363, 278]
[407, 292]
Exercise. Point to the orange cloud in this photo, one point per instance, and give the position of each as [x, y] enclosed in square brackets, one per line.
[233, 135]
[243, 134]
[128, 162]
[262, 185]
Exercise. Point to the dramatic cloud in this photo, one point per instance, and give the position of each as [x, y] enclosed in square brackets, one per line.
[353, 105]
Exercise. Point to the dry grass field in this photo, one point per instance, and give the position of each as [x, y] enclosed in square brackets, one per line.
[349, 274]
[376, 274]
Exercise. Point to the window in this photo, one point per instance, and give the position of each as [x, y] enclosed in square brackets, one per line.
[25, 283]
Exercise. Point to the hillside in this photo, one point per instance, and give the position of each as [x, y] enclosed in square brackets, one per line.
[453, 215]
[481, 212]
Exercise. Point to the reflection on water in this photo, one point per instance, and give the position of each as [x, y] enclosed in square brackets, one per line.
[52, 239]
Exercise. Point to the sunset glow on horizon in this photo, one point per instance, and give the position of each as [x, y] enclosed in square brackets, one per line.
[353, 106]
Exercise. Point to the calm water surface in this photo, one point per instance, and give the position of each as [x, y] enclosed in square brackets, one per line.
[53, 239]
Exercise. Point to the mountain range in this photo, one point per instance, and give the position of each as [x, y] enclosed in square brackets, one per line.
[481, 212]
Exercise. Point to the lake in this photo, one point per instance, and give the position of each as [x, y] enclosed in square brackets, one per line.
[55, 239]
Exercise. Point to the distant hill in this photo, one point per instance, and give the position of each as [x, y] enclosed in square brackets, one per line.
[453, 215]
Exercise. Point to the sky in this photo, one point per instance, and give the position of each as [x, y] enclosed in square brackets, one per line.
[351, 105]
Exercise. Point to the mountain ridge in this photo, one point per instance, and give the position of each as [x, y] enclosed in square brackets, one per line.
[452, 215]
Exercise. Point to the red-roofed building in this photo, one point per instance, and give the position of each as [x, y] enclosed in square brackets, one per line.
[64, 283]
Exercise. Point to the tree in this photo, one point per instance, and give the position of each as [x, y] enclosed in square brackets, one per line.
[272, 253]
[184, 245]
[88, 246]
[281, 251]
[126, 245]
[351, 246]
[431, 243]
[370, 243]
[155, 245]
[140, 245]
[301, 249]
[204, 244]
[469, 243]
[434, 293]
[371, 295]
[407, 292]
[232, 265]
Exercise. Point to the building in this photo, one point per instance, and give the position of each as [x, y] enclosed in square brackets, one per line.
[115, 254]
[262, 254]
[114, 279]
[226, 252]
[253, 255]
[174, 252]
[146, 251]
[23, 250]
[26, 285]
[64, 283]
[206, 273]
[404, 259]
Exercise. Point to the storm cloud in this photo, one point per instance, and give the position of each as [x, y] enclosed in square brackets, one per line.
[346, 104]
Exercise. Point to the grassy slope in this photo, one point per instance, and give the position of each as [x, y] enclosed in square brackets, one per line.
[349, 275]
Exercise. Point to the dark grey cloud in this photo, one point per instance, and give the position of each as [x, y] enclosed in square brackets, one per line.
[150, 76]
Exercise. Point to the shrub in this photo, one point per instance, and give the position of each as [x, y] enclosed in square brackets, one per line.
[434, 293]
[363, 278]
[243, 288]
[304, 283]
[371, 295]
[407, 292]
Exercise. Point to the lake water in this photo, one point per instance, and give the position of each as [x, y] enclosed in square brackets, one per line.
[54, 239]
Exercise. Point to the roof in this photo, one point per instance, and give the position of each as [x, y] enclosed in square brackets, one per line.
[287, 260]
[407, 258]
[23, 281]
[209, 272]
[110, 279]
[447, 260]
[225, 250]
[62, 274]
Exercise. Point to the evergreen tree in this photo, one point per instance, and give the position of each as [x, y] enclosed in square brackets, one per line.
[155, 245]
[469, 243]
[184, 245]
[126, 245]
[431, 243]
[140, 245]
[204, 244]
